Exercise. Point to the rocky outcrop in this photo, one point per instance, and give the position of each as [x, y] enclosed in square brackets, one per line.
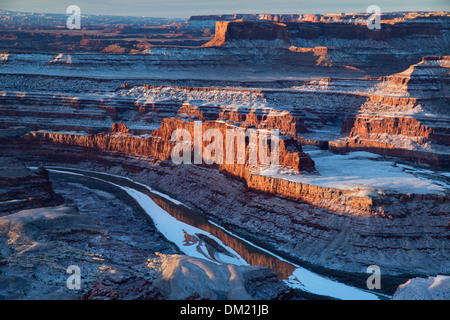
[123, 288]
[116, 141]
[406, 115]
[22, 188]
[290, 153]
[242, 29]
[160, 144]
[366, 126]
[183, 278]
[238, 30]
[401, 136]
[120, 127]
[427, 79]
[432, 288]
[283, 121]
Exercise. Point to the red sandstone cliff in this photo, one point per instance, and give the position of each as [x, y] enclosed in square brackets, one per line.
[238, 30]
[267, 29]
[160, 144]
[120, 127]
[407, 115]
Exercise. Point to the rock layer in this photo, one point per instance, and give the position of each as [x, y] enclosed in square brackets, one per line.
[183, 277]
[22, 188]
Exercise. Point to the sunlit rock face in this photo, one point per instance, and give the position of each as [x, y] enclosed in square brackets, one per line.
[23, 188]
[240, 31]
[405, 113]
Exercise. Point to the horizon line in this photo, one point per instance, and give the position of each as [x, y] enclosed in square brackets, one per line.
[218, 14]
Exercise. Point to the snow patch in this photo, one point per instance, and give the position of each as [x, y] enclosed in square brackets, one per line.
[363, 170]
[4, 57]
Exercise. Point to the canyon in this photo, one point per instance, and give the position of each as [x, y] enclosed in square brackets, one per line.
[363, 121]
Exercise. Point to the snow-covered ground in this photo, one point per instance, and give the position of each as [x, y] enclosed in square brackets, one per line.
[365, 170]
[76, 133]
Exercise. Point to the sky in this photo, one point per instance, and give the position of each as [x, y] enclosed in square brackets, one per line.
[187, 8]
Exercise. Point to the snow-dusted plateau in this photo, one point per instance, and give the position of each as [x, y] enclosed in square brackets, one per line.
[86, 124]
